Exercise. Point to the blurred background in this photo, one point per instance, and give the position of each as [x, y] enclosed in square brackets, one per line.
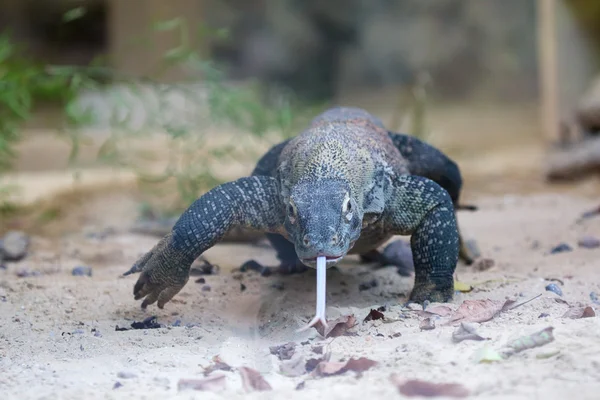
[112, 110]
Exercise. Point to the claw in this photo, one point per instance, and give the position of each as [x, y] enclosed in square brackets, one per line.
[321, 287]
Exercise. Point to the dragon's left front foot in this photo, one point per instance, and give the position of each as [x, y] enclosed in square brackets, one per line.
[432, 289]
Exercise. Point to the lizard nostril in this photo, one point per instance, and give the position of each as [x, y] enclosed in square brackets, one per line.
[334, 239]
[306, 240]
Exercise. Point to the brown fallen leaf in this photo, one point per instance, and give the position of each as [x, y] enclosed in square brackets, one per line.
[214, 383]
[427, 324]
[252, 380]
[466, 331]
[284, 351]
[479, 310]
[337, 327]
[441, 311]
[419, 388]
[326, 368]
[217, 365]
[576, 312]
[374, 315]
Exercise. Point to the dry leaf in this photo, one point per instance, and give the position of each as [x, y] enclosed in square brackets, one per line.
[577, 312]
[479, 310]
[252, 380]
[337, 327]
[537, 339]
[284, 351]
[462, 287]
[217, 365]
[374, 315]
[213, 384]
[427, 324]
[486, 354]
[466, 331]
[442, 311]
[419, 388]
[326, 368]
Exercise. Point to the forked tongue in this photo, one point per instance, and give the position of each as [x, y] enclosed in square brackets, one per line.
[321, 286]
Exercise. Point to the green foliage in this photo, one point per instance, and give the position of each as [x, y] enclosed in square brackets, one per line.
[194, 153]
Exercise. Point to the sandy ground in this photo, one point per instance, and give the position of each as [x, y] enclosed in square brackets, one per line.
[57, 331]
[58, 337]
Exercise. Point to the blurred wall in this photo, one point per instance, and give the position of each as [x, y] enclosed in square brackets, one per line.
[471, 48]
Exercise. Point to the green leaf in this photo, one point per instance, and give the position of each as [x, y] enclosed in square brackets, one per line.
[168, 25]
[73, 14]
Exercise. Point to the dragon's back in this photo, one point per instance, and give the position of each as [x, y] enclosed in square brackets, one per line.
[342, 143]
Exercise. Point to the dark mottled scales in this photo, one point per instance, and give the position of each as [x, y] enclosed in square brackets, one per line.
[344, 185]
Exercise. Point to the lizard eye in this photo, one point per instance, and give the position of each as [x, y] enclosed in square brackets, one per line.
[292, 212]
[347, 206]
[347, 209]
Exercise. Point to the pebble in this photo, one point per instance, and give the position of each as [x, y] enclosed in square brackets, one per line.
[553, 287]
[594, 298]
[82, 270]
[126, 375]
[543, 315]
[399, 254]
[117, 385]
[561, 248]
[206, 288]
[14, 245]
[473, 248]
[367, 285]
[26, 272]
[588, 242]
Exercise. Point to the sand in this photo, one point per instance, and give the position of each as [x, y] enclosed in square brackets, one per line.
[58, 337]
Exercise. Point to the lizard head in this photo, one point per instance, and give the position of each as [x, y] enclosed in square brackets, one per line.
[322, 219]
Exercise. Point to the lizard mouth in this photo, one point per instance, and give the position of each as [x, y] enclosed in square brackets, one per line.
[329, 259]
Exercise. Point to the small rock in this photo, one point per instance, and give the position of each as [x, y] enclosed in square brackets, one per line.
[284, 351]
[242, 287]
[543, 315]
[82, 270]
[26, 272]
[589, 242]
[177, 323]
[15, 245]
[117, 385]
[561, 248]
[367, 285]
[206, 288]
[148, 323]
[126, 375]
[553, 287]
[483, 264]
[594, 298]
[202, 267]
[399, 253]
[278, 286]
[473, 248]
[200, 280]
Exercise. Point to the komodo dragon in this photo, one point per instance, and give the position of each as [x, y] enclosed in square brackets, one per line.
[345, 185]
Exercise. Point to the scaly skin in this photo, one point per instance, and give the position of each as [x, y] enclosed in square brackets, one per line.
[343, 186]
